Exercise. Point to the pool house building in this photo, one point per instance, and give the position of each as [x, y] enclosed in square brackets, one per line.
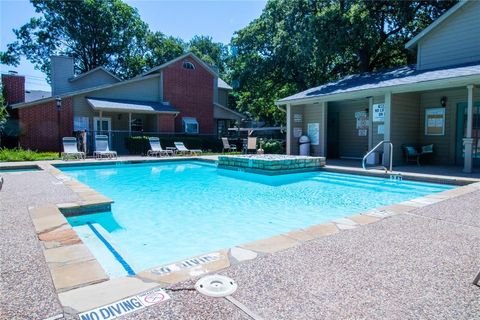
[434, 102]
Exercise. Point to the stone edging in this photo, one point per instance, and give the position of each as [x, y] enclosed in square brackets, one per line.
[82, 284]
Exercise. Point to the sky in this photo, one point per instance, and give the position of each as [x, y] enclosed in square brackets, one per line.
[183, 19]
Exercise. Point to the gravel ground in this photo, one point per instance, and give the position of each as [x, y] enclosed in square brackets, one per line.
[404, 267]
[26, 288]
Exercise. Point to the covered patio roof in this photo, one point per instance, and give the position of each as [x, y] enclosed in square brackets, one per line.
[132, 106]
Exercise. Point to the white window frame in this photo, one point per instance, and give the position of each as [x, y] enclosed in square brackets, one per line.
[187, 122]
[190, 65]
[108, 119]
[440, 117]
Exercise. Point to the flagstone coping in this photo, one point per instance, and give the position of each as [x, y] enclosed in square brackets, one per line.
[82, 283]
[87, 298]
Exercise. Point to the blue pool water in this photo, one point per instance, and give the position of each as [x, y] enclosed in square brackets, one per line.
[164, 212]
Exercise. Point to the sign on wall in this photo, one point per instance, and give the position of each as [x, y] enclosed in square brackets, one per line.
[297, 132]
[297, 117]
[381, 129]
[362, 132]
[378, 112]
[362, 120]
[435, 122]
[313, 132]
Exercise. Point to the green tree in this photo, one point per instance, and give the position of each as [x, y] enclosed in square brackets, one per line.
[3, 110]
[298, 44]
[96, 33]
[162, 48]
[213, 53]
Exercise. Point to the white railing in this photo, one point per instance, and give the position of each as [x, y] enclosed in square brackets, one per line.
[390, 144]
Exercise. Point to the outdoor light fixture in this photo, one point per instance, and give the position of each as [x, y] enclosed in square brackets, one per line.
[58, 101]
[443, 101]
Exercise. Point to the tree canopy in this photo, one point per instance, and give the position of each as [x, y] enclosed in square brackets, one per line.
[298, 44]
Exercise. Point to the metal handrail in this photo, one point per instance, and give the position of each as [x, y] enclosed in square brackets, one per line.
[375, 148]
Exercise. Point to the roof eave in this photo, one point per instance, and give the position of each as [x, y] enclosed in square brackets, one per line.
[402, 88]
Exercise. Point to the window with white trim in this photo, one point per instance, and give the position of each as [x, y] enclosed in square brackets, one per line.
[190, 125]
[188, 65]
[81, 123]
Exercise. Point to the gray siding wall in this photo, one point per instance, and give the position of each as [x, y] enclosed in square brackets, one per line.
[313, 113]
[61, 69]
[95, 79]
[223, 97]
[405, 123]
[453, 42]
[444, 146]
[294, 141]
[350, 144]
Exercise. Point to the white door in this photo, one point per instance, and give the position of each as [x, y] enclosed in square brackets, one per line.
[103, 125]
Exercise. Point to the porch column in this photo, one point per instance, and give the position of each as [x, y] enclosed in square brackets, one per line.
[289, 129]
[129, 124]
[323, 129]
[370, 123]
[387, 124]
[468, 141]
[100, 128]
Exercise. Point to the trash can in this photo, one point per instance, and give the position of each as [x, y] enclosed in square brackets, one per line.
[304, 143]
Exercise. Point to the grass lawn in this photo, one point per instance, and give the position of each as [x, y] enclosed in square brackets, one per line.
[9, 155]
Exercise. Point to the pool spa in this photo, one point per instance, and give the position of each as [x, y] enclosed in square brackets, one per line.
[167, 211]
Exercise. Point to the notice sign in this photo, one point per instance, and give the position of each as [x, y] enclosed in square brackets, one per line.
[297, 132]
[378, 112]
[362, 120]
[127, 305]
[313, 132]
[297, 117]
[435, 122]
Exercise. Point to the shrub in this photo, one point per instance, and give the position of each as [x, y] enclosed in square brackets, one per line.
[273, 146]
[25, 155]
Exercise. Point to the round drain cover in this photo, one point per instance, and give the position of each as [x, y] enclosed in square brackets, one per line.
[216, 286]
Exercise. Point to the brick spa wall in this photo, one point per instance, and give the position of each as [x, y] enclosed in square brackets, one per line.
[38, 125]
[191, 93]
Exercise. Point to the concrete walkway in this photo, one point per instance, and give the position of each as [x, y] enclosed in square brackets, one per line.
[409, 266]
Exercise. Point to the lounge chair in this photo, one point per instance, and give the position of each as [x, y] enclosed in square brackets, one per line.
[251, 144]
[156, 148]
[101, 148]
[227, 146]
[184, 150]
[70, 149]
[413, 154]
[1, 183]
[476, 281]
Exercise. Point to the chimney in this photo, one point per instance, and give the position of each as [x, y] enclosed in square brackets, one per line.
[61, 71]
[13, 87]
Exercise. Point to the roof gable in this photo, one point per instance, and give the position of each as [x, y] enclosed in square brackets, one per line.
[93, 72]
[187, 55]
[414, 41]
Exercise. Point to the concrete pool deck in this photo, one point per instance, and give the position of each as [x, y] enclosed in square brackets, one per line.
[410, 265]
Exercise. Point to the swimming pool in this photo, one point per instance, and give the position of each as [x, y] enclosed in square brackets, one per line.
[167, 211]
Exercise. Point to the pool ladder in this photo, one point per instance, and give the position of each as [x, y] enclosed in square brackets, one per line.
[383, 142]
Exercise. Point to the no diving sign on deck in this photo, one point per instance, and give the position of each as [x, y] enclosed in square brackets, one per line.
[127, 305]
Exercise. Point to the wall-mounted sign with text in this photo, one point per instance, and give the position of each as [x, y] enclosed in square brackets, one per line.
[378, 112]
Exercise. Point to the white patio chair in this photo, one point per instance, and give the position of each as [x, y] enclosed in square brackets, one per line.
[227, 146]
[102, 149]
[184, 150]
[156, 148]
[251, 144]
[70, 149]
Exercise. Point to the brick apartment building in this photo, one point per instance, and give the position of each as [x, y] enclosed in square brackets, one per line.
[182, 96]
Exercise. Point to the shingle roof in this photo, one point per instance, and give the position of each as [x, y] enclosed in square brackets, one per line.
[32, 95]
[388, 78]
[102, 104]
[223, 85]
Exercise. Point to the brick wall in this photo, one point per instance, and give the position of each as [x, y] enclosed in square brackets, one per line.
[191, 93]
[166, 123]
[13, 88]
[38, 125]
